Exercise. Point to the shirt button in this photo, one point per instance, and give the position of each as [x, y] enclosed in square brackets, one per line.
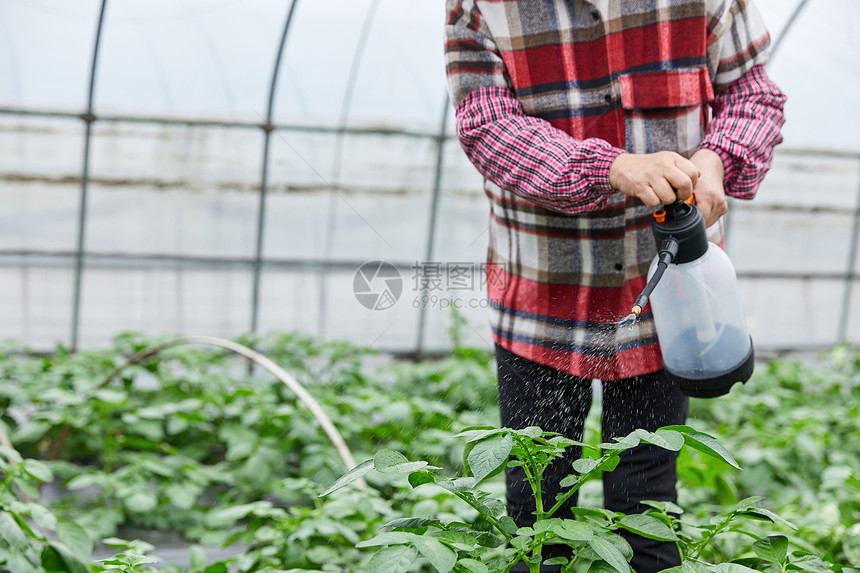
[607, 98]
[595, 14]
[619, 266]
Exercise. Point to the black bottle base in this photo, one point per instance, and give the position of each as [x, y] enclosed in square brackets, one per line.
[717, 385]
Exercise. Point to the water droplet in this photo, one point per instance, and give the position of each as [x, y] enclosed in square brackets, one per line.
[628, 321]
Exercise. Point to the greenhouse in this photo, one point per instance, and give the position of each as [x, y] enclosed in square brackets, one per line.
[245, 323]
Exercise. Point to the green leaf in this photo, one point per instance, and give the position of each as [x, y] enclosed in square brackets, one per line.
[12, 534]
[812, 564]
[389, 538]
[393, 462]
[589, 465]
[529, 432]
[575, 530]
[474, 434]
[665, 438]
[609, 553]
[81, 481]
[490, 455]
[42, 516]
[520, 542]
[37, 470]
[751, 562]
[455, 486]
[508, 525]
[731, 568]
[767, 514]
[182, 495]
[744, 504]
[412, 523]
[585, 465]
[773, 548]
[606, 514]
[141, 501]
[30, 432]
[392, 559]
[473, 566]
[57, 558]
[456, 539]
[689, 566]
[494, 506]
[349, 477]
[227, 516]
[75, 538]
[135, 545]
[420, 478]
[110, 395]
[665, 506]
[8, 454]
[441, 557]
[631, 440]
[486, 539]
[705, 444]
[647, 526]
[197, 557]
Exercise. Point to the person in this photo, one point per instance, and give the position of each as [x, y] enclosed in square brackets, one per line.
[583, 116]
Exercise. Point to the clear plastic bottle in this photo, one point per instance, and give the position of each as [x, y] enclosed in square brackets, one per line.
[699, 319]
[697, 311]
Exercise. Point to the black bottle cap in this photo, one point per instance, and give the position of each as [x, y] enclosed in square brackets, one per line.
[685, 223]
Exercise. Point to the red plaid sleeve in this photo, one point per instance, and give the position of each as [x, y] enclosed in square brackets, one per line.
[530, 157]
[745, 129]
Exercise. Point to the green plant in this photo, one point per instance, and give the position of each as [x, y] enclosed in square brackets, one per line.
[31, 537]
[494, 543]
[191, 433]
[794, 427]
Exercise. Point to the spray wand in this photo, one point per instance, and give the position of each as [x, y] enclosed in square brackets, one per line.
[667, 253]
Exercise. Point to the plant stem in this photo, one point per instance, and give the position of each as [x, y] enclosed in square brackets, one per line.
[493, 521]
[567, 495]
[533, 474]
[709, 535]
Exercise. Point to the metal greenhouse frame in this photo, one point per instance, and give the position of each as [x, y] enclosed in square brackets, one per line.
[267, 127]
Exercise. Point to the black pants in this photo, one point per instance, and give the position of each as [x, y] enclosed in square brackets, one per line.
[531, 394]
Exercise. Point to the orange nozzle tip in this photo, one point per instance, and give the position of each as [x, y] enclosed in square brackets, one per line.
[660, 215]
[691, 199]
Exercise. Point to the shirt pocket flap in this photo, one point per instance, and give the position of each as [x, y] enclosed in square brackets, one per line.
[666, 88]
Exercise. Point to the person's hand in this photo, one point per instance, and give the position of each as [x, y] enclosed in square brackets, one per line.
[710, 195]
[654, 178]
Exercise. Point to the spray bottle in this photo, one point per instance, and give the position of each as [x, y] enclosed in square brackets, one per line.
[694, 297]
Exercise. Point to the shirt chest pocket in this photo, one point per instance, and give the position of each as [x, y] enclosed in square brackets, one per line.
[666, 110]
[666, 89]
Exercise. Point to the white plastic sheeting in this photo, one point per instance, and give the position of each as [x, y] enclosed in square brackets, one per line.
[171, 222]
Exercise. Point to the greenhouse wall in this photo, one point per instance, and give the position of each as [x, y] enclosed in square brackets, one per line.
[217, 168]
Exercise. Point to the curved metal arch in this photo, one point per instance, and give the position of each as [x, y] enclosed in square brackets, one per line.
[346, 105]
[786, 29]
[434, 216]
[267, 127]
[88, 117]
[289, 381]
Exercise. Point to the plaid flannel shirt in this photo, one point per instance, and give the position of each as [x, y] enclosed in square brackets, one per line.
[548, 93]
